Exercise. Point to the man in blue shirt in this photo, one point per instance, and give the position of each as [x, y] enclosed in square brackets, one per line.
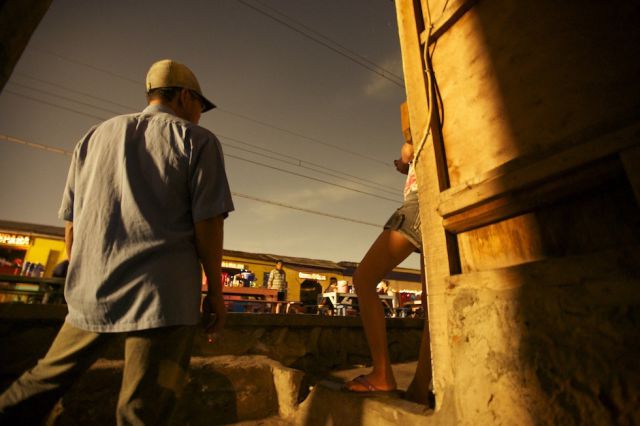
[144, 205]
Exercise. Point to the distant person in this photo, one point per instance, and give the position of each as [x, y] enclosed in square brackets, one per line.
[325, 303]
[278, 281]
[60, 270]
[400, 237]
[333, 285]
[144, 205]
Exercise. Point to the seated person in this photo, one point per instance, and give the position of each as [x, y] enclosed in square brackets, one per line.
[333, 285]
[324, 304]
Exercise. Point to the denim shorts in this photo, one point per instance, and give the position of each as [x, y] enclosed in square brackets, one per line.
[406, 220]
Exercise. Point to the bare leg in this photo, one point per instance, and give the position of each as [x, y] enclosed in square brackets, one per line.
[419, 388]
[389, 249]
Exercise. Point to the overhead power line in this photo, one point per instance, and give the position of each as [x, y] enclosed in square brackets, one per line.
[55, 150]
[394, 200]
[323, 40]
[69, 89]
[300, 164]
[31, 98]
[242, 116]
[276, 157]
[314, 140]
[84, 64]
[58, 96]
[227, 155]
[288, 206]
[36, 145]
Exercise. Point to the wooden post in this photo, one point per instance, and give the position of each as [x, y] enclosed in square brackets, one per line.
[18, 21]
[427, 172]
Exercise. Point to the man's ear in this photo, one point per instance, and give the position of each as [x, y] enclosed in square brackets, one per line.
[182, 96]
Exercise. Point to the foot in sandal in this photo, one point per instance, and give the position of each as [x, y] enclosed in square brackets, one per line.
[365, 385]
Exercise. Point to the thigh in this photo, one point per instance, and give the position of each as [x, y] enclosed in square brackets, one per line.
[35, 392]
[387, 251]
[73, 350]
[155, 374]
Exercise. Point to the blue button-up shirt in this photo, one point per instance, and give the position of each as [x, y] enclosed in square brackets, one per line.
[136, 185]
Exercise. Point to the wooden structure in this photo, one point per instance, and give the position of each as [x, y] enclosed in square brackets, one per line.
[18, 21]
[525, 118]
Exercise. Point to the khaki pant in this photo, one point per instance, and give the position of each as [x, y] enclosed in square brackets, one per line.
[154, 376]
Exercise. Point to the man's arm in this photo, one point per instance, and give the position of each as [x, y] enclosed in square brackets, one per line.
[68, 237]
[209, 237]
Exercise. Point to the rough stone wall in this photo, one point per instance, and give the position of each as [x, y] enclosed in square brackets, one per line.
[559, 349]
[310, 343]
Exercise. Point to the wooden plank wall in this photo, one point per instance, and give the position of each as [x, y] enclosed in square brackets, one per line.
[539, 128]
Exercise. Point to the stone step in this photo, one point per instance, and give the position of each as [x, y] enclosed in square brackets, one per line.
[221, 390]
[247, 390]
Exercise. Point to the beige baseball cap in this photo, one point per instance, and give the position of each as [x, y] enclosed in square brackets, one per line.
[168, 73]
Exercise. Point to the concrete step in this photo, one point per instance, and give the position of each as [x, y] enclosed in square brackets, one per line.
[248, 390]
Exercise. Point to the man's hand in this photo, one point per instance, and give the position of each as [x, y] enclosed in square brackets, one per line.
[214, 315]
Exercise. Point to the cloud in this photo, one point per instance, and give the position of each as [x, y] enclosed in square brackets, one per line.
[380, 87]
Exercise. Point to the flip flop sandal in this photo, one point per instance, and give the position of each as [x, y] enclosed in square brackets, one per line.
[370, 388]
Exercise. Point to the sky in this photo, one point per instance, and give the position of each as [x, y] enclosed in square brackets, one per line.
[309, 134]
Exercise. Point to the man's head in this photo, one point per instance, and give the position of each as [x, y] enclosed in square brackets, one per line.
[174, 84]
[279, 264]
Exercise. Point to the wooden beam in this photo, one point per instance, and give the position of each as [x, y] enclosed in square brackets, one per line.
[436, 249]
[412, 65]
[528, 199]
[611, 265]
[494, 185]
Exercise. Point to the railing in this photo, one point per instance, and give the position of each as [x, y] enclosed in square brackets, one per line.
[19, 288]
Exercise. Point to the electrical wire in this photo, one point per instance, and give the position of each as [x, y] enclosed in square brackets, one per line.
[288, 206]
[317, 141]
[298, 162]
[58, 96]
[227, 155]
[302, 176]
[305, 164]
[69, 89]
[432, 88]
[55, 150]
[394, 200]
[323, 171]
[36, 145]
[77, 62]
[330, 44]
[31, 98]
[220, 109]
